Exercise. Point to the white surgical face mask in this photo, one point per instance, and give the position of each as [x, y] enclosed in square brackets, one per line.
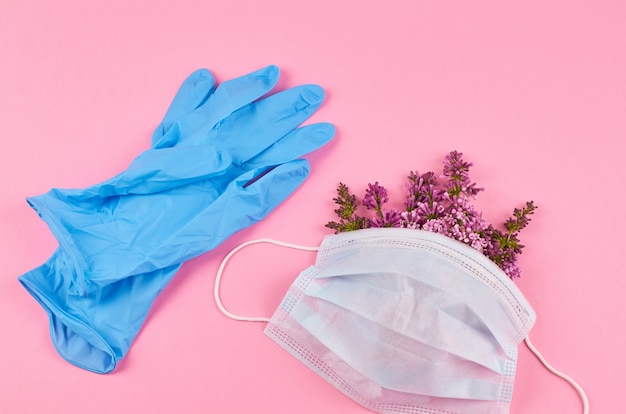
[405, 321]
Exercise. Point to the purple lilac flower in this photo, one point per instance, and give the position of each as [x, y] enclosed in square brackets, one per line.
[455, 168]
[375, 197]
[466, 224]
[457, 172]
[409, 219]
[424, 199]
[430, 210]
[504, 257]
[505, 245]
[444, 209]
[422, 189]
[438, 225]
[387, 218]
[512, 269]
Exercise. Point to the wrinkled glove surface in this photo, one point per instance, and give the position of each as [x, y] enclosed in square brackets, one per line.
[221, 159]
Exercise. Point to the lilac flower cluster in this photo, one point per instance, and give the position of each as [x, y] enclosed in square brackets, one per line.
[375, 197]
[443, 208]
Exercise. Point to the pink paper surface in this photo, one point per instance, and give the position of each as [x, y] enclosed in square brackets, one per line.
[533, 93]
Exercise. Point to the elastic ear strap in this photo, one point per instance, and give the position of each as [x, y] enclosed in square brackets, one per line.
[220, 271]
[567, 378]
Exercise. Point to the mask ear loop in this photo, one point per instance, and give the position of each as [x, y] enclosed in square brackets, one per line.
[570, 380]
[220, 271]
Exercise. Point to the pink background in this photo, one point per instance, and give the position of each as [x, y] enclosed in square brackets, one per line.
[533, 92]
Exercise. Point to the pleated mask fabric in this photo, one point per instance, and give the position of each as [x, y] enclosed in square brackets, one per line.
[406, 321]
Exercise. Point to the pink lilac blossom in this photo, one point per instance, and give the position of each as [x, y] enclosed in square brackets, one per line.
[422, 189]
[409, 219]
[387, 218]
[441, 208]
[375, 197]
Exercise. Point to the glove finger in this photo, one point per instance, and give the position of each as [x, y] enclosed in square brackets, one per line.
[159, 170]
[228, 97]
[194, 92]
[252, 129]
[256, 193]
[156, 170]
[295, 144]
[246, 200]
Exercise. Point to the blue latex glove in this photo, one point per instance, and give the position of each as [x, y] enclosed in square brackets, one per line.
[191, 196]
[95, 329]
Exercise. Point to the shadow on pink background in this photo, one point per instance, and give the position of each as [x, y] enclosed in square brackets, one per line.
[532, 93]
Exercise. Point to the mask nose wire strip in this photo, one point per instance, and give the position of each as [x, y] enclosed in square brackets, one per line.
[220, 272]
[570, 380]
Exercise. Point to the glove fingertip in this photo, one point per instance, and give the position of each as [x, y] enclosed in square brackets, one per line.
[271, 72]
[270, 187]
[200, 74]
[193, 93]
[324, 132]
[313, 94]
